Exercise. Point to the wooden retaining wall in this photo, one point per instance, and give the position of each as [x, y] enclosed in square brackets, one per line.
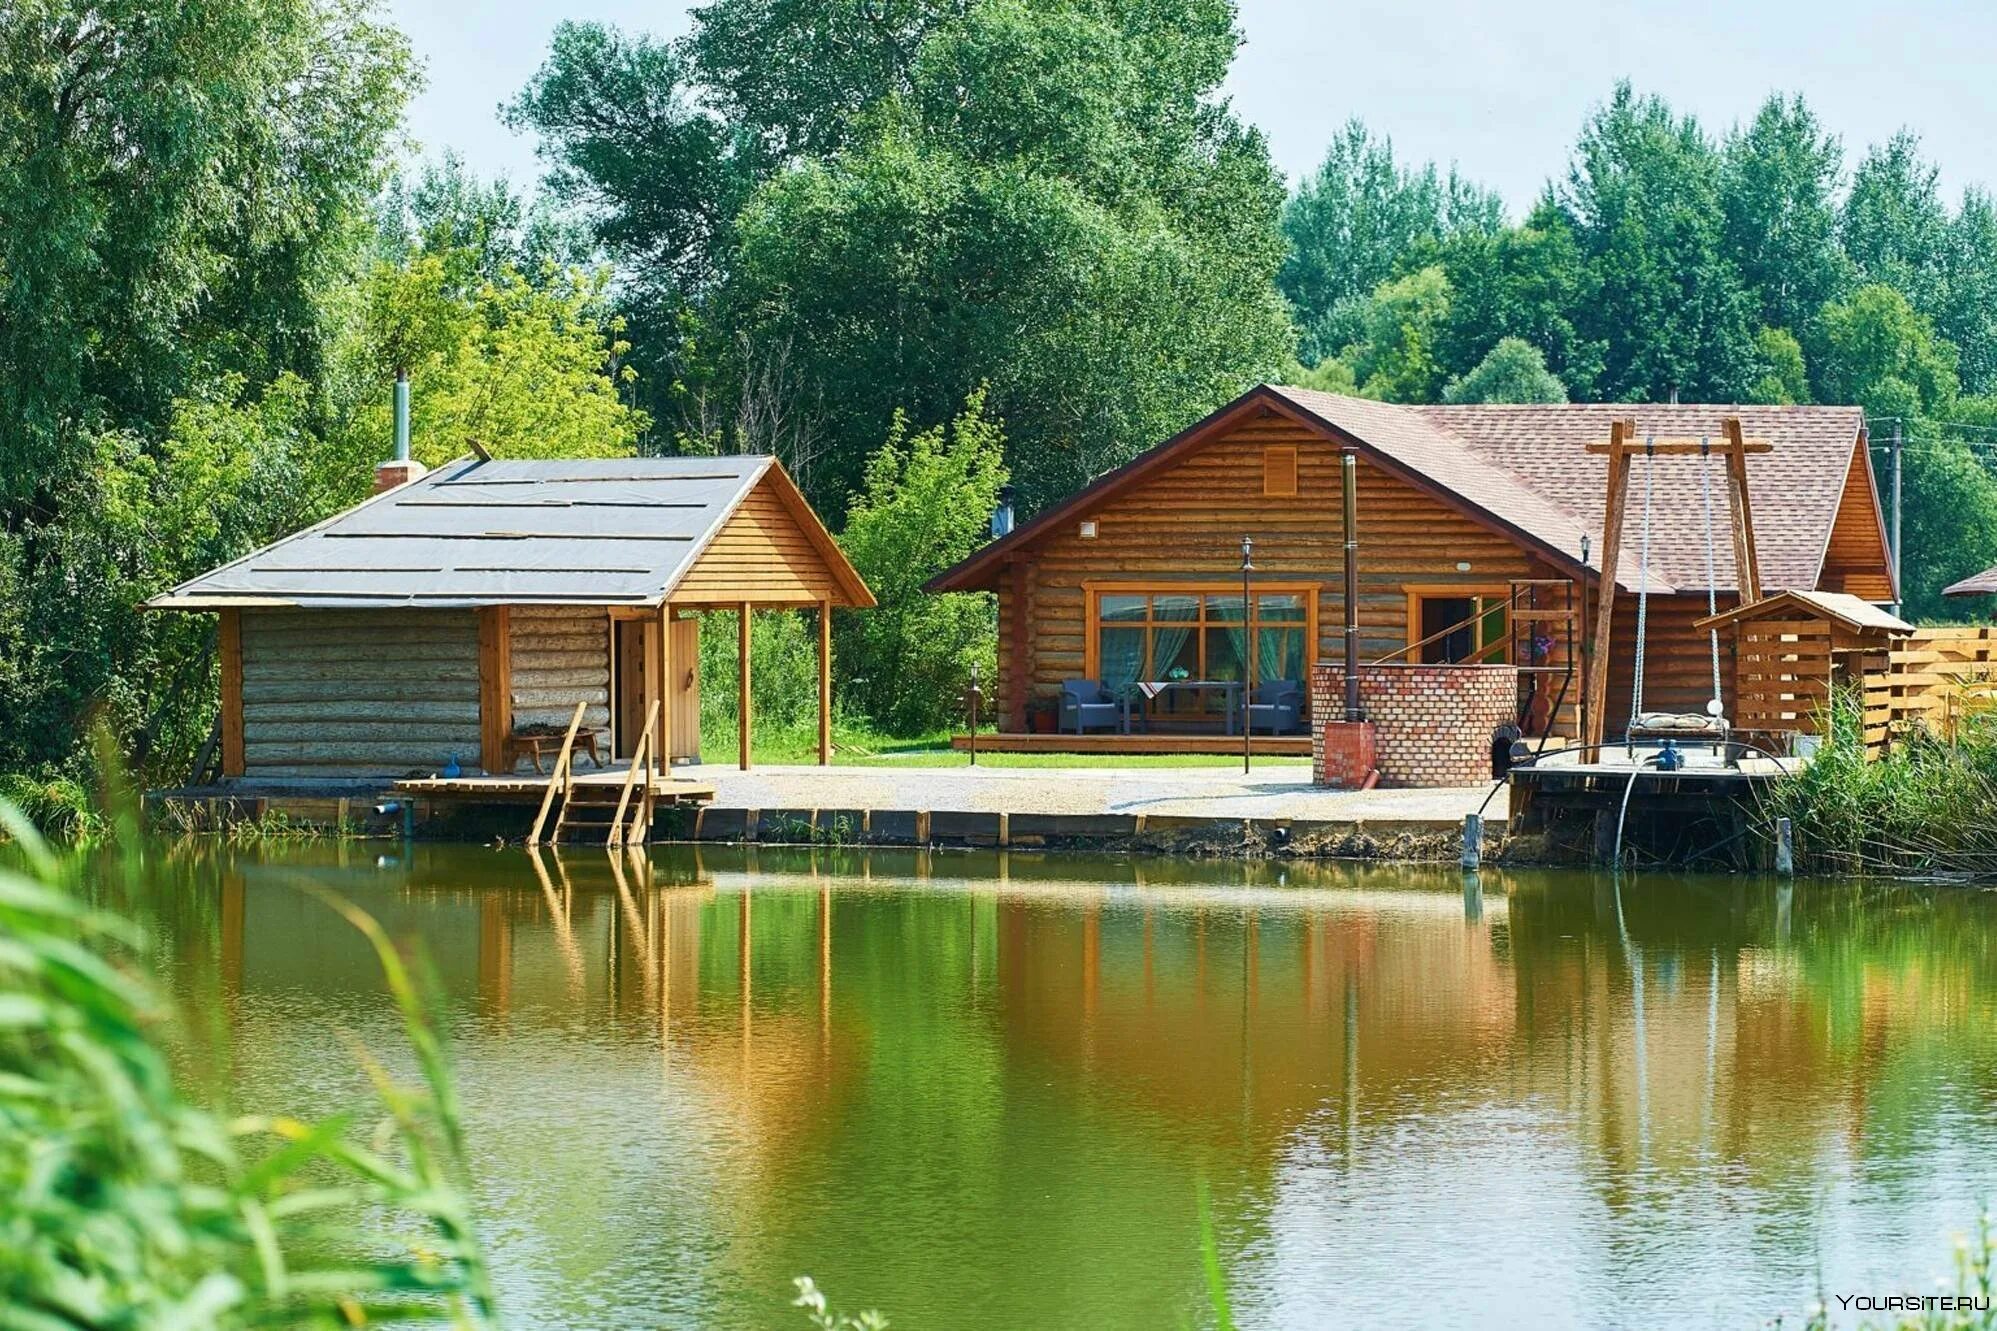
[317, 685]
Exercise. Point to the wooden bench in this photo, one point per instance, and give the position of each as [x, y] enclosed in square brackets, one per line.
[533, 746]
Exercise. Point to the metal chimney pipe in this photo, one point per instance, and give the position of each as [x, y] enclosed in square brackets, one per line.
[402, 415]
[1350, 479]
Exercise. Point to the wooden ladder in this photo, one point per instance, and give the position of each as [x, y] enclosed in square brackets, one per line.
[561, 782]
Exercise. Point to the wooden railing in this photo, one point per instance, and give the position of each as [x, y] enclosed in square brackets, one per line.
[560, 781]
[641, 760]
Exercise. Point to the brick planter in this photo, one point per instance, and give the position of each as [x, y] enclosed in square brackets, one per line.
[1431, 724]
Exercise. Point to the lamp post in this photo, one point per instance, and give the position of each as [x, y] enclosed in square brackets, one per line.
[1247, 636]
[974, 695]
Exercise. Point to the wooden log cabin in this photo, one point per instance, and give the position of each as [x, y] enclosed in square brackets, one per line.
[462, 615]
[1467, 516]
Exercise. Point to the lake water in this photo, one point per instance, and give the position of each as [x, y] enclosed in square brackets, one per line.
[985, 1091]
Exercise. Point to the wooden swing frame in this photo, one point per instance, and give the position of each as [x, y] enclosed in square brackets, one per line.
[1622, 448]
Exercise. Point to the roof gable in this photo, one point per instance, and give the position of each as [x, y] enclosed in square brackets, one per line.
[599, 531]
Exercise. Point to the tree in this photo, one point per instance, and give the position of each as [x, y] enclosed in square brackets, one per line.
[1778, 178]
[1351, 223]
[1893, 226]
[183, 198]
[1781, 376]
[1527, 282]
[1968, 313]
[173, 183]
[925, 504]
[1879, 352]
[1643, 197]
[914, 199]
[1394, 358]
[1515, 371]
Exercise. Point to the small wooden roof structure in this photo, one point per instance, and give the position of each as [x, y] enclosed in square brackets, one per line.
[1847, 612]
[574, 531]
[1976, 584]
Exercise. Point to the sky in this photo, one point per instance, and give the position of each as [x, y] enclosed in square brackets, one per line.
[1498, 89]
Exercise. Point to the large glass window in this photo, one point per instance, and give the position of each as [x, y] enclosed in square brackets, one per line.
[1169, 635]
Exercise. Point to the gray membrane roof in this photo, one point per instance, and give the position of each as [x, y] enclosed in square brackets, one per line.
[594, 531]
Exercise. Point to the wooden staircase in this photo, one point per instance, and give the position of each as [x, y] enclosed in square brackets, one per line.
[622, 813]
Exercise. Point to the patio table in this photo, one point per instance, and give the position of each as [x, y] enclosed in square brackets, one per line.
[1153, 689]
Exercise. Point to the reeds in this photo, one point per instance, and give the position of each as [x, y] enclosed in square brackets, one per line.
[1927, 806]
[125, 1203]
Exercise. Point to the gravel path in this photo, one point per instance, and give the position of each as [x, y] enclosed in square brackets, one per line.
[1272, 792]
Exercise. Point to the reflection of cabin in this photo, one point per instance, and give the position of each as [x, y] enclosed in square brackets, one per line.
[454, 616]
[1137, 578]
[1792, 650]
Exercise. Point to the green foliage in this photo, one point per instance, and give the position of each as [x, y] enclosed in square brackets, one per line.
[902, 204]
[520, 366]
[816, 1310]
[129, 1204]
[1781, 376]
[1643, 197]
[783, 682]
[1778, 177]
[1350, 223]
[1515, 371]
[1395, 356]
[1881, 354]
[926, 504]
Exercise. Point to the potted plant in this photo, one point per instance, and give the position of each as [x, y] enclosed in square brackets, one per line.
[1043, 716]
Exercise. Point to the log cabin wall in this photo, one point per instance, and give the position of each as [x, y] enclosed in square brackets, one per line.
[1186, 524]
[560, 657]
[1678, 662]
[359, 692]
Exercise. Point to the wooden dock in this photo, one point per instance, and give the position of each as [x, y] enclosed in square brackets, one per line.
[531, 788]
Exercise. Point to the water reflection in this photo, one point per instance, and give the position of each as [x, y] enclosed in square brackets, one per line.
[978, 1089]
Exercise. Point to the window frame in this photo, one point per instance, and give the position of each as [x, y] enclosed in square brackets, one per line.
[1093, 623]
[1479, 593]
[1279, 464]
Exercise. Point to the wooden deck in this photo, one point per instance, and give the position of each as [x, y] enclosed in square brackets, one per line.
[1293, 746]
[529, 788]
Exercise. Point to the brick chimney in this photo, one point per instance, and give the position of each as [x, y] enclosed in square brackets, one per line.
[400, 469]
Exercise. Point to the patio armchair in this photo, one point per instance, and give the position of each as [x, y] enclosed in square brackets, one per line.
[1276, 707]
[1086, 704]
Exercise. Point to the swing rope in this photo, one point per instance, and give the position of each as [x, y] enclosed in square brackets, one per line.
[1643, 589]
[1712, 576]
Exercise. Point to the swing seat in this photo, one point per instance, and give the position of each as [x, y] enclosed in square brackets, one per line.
[1677, 725]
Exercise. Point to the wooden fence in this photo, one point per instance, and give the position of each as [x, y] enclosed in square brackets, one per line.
[1928, 679]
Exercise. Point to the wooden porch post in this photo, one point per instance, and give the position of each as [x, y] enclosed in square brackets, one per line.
[662, 737]
[1595, 699]
[742, 686]
[495, 688]
[825, 683]
[229, 646]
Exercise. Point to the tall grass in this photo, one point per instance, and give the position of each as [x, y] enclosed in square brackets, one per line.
[127, 1203]
[1926, 806]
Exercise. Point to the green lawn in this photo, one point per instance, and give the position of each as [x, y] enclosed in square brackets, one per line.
[859, 746]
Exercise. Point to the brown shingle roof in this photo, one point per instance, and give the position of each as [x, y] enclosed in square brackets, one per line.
[1527, 468]
[1795, 489]
[1976, 584]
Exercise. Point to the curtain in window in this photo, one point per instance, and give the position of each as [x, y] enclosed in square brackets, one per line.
[1279, 654]
[1167, 641]
[1121, 657]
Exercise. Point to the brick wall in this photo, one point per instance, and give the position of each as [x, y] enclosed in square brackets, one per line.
[1432, 723]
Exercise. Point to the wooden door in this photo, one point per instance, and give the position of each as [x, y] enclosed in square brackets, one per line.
[628, 713]
[684, 710]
